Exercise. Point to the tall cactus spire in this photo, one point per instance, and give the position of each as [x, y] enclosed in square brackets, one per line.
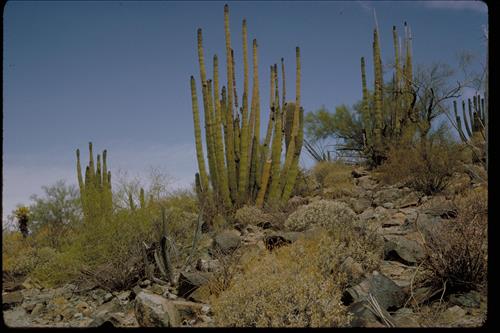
[378, 91]
[245, 138]
[229, 109]
[274, 187]
[397, 82]
[197, 135]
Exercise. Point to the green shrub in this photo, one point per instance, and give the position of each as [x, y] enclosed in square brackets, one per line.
[334, 178]
[324, 213]
[18, 254]
[289, 287]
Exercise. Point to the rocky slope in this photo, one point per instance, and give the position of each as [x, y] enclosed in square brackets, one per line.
[384, 298]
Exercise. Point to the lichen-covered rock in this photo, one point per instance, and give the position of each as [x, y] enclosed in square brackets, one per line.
[155, 311]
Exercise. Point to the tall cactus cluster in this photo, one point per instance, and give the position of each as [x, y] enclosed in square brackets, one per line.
[473, 130]
[242, 168]
[386, 116]
[95, 188]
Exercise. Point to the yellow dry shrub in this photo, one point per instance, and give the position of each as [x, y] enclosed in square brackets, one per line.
[18, 254]
[334, 178]
[322, 213]
[290, 287]
[251, 215]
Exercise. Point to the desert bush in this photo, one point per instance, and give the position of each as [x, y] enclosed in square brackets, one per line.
[55, 268]
[18, 254]
[324, 213]
[251, 215]
[426, 165]
[334, 178]
[457, 249]
[288, 287]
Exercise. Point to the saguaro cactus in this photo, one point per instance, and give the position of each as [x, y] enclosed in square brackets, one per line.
[249, 165]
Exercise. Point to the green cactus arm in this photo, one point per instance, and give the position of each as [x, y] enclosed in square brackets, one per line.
[219, 145]
[208, 135]
[266, 172]
[142, 199]
[197, 135]
[98, 178]
[378, 117]
[467, 121]
[397, 81]
[81, 185]
[229, 143]
[272, 119]
[294, 170]
[365, 112]
[283, 83]
[274, 187]
[91, 166]
[245, 137]
[104, 170]
[459, 123]
[131, 201]
[256, 116]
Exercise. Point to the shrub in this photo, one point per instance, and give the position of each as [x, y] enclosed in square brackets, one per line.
[288, 287]
[425, 166]
[55, 268]
[334, 178]
[325, 213]
[457, 249]
[251, 215]
[18, 255]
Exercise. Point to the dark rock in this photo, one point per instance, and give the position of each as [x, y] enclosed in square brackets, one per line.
[387, 293]
[190, 281]
[405, 317]
[399, 248]
[155, 311]
[12, 299]
[277, 239]
[227, 241]
[363, 316]
[471, 299]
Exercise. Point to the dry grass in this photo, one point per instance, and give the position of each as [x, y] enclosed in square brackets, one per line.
[334, 178]
[289, 287]
[457, 249]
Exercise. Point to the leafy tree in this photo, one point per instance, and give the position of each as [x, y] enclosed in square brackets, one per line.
[57, 210]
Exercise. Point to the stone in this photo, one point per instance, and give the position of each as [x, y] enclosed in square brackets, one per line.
[352, 268]
[405, 317]
[155, 311]
[387, 293]
[366, 182]
[363, 316]
[358, 172]
[452, 315]
[402, 249]
[471, 299]
[37, 310]
[399, 273]
[190, 281]
[227, 241]
[360, 205]
[158, 289]
[387, 195]
[207, 265]
[277, 239]
[410, 199]
[136, 290]
[144, 283]
[388, 205]
[124, 296]
[368, 214]
[11, 299]
[107, 297]
[201, 294]
[16, 317]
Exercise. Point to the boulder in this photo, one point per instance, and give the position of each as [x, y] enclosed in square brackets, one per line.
[399, 273]
[452, 315]
[366, 182]
[387, 293]
[190, 281]
[402, 249]
[207, 265]
[387, 195]
[361, 204]
[471, 299]
[410, 199]
[405, 317]
[277, 239]
[352, 268]
[11, 299]
[363, 316]
[227, 241]
[155, 311]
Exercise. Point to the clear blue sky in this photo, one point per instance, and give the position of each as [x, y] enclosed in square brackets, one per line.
[117, 72]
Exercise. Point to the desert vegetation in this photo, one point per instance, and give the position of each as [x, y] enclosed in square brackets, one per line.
[389, 231]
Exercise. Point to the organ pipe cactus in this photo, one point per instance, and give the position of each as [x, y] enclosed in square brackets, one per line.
[95, 190]
[241, 168]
